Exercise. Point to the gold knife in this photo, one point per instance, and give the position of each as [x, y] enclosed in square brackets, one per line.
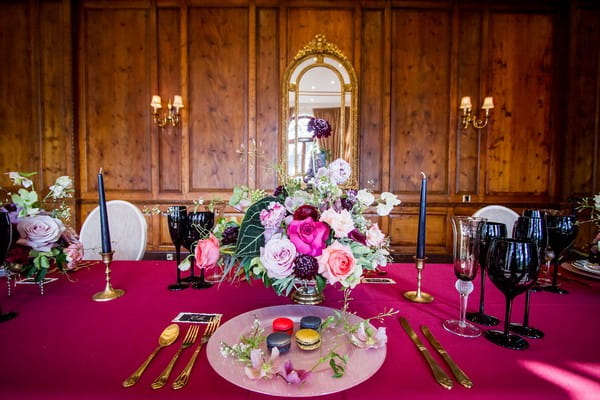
[461, 377]
[440, 376]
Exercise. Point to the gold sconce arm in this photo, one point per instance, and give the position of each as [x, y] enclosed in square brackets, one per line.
[172, 116]
[468, 118]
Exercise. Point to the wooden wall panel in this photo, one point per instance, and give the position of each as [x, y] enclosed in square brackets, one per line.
[420, 99]
[519, 141]
[169, 85]
[373, 88]
[115, 133]
[267, 96]
[469, 72]
[582, 177]
[20, 150]
[218, 92]
[403, 230]
[337, 24]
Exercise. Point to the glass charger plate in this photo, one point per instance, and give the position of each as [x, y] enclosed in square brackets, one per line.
[361, 366]
[569, 267]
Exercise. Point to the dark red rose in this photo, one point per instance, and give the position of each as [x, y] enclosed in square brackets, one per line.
[18, 254]
[306, 211]
[358, 236]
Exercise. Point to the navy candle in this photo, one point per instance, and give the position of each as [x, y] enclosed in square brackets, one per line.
[422, 214]
[103, 215]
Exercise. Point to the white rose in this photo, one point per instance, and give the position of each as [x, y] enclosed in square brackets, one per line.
[341, 222]
[40, 232]
[374, 236]
[365, 197]
[278, 257]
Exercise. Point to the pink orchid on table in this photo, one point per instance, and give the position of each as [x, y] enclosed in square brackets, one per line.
[367, 337]
[260, 367]
[291, 375]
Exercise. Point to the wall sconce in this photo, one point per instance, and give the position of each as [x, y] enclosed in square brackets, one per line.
[172, 117]
[469, 118]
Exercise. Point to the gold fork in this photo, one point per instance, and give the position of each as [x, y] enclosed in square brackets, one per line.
[188, 340]
[184, 376]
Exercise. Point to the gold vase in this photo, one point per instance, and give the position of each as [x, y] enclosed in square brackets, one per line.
[307, 293]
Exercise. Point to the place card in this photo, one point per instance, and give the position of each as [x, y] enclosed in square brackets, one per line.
[195, 318]
[385, 281]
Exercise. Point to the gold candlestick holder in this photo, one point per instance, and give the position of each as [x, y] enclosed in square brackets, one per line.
[418, 296]
[109, 293]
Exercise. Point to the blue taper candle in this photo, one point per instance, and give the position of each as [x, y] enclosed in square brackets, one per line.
[105, 232]
[422, 215]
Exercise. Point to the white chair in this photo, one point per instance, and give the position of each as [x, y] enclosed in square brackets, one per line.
[128, 232]
[501, 214]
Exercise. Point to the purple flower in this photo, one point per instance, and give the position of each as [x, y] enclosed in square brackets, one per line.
[320, 128]
[358, 236]
[291, 375]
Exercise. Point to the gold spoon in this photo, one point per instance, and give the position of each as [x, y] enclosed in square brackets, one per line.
[167, 337]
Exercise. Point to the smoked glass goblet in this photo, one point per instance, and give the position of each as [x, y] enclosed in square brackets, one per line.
[532, 229]
[562, 231]
[487, 231]
[178, 229]
[6, 231]
[200, 225]
[466, 243]
[512, 267]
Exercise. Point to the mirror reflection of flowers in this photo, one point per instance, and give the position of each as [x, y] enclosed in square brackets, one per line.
[589, 208]
[321, 129]
[41, 240]
[318, 233]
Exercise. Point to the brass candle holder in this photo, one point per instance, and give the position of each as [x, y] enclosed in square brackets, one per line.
[109, 293]
[418, 296]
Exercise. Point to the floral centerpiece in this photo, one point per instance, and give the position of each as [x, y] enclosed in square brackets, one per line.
[302, 236]
[43, 240]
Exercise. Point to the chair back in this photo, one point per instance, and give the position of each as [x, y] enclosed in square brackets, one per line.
[496, 213]
[128, 232]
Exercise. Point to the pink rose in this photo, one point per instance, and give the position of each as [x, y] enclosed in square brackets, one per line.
[207, 252]
[278, 257]
[74, 254]
[40, 232]
[337, 263]
[308, 236]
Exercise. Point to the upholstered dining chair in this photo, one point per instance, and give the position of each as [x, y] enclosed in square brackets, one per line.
[128, 232]
[496, 213]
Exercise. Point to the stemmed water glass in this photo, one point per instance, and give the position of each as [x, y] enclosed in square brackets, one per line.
[532, 229]
[178, 229]
[466, 245]
[6, 231]
[512, 267]
[562, 231]
[200, 225]
[487, 231]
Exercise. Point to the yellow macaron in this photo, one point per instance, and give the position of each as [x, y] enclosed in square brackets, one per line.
[308, 339]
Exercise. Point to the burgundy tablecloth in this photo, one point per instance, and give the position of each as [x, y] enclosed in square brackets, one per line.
[65, 346]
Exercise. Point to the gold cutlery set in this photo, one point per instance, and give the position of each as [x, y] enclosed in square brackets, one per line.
[168, 337]
[440, 376]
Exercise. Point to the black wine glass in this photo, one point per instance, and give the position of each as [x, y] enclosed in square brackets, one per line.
[487, 231]
[200, 225]
[562, 232]
[532, 229]
[178, 229]
[6, 231]
[512, 267]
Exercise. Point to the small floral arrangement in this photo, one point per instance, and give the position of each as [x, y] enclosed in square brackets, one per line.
[300, 234]
[319, 127]
[590, 207]
[43, 240]
[257, 365]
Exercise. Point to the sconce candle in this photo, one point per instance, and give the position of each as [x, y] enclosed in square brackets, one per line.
[170, 117]
[488, 103]
[106, 248]
[465, 103]
[468, 118]
[422, 217]
[177, 102]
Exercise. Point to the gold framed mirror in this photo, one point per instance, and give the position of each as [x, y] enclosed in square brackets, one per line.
[319, 83]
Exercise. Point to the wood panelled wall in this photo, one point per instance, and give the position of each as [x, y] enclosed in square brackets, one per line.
[78, 77]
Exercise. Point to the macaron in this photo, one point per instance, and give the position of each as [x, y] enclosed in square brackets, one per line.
[280, 340]
[285, 325]
[308, 339]
[310, 322]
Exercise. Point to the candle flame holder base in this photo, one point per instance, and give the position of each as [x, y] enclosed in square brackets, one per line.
[109, 293]
[417, 296]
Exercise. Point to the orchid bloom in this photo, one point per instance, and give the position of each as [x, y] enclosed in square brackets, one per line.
[366, 337]
[291, 375]
[261, 368]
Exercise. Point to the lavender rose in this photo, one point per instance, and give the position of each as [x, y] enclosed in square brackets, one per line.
[40, 232]
[278, 257]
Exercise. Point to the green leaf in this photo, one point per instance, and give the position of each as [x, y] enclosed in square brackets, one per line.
[321, 283]
[251, 237]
